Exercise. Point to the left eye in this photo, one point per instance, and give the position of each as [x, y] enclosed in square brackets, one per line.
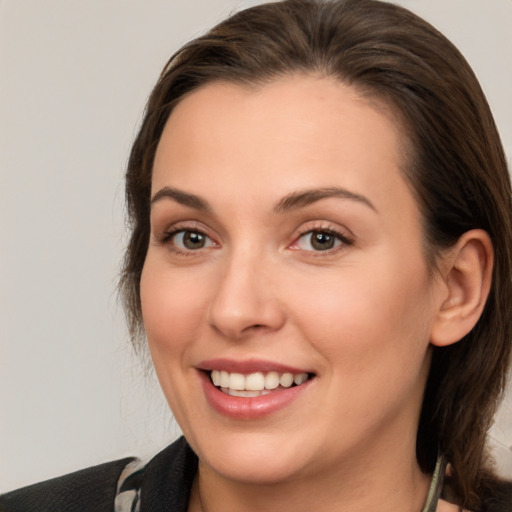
[318, 241]
[191, 240]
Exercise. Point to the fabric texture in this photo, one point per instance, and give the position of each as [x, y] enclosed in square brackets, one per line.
[88, 490]
[161, 485]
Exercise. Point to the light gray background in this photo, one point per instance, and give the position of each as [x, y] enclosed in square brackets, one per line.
[74, 77]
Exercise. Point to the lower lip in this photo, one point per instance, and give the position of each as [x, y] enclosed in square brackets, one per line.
[249, 408]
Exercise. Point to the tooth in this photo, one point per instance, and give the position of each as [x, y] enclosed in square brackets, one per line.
[300, 378]
[224, 379]
[236, 381]
[286, 380]
[255, 381]
[271, 380]
[244, 393]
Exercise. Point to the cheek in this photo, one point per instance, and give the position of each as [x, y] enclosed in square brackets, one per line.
[171, 309]
[374, 336]
[368, 318]
[172, 313]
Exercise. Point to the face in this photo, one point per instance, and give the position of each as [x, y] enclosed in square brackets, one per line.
[285, 293]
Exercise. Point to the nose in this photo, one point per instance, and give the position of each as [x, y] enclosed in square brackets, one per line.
[245, 300]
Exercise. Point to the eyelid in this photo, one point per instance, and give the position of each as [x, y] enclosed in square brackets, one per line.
[166, 237]
[343, 235]
[173, 234]
[173, 227]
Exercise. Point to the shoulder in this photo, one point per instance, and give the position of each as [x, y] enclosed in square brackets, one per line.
[163, 484]
[91, 489]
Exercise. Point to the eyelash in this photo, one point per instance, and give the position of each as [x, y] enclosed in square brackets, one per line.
[169, 235]
[340, 239]
[343, 240]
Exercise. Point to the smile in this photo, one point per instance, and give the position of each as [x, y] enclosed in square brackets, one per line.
[252, 389]
[255, 384]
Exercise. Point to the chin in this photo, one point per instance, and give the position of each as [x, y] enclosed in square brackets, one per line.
[253, 458]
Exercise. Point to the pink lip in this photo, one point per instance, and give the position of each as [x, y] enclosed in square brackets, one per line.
[248, 366]
[250, 408]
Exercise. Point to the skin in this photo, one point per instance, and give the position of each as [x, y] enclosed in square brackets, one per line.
[360, 316]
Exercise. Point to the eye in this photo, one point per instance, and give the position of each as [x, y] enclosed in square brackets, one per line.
[320, 241]
[189, 240]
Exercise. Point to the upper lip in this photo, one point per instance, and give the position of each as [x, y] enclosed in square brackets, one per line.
[248, 366]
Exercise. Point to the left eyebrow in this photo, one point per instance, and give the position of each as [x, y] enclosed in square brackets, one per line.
[306, 197]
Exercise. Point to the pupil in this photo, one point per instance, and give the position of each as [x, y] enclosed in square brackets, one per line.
[322, 241]
[193, 240]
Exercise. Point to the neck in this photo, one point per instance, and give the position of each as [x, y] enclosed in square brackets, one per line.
[390, 482]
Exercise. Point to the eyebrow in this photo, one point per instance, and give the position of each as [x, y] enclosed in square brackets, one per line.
[184, 198]
[306, 197]
[292, 201]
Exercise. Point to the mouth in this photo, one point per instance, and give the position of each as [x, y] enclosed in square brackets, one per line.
[256, 384]
[252, 389]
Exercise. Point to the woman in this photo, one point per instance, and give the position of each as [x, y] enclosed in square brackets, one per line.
[320, 261]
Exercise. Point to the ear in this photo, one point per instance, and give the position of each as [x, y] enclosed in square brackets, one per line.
[466, 271]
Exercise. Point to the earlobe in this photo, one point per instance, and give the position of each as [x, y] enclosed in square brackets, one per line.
[467, 275]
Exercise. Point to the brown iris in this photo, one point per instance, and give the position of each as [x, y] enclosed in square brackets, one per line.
[193, 240]
[322, 241]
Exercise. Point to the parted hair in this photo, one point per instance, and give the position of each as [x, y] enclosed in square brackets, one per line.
[455, 166]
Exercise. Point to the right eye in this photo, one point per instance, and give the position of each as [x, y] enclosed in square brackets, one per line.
[189, 240]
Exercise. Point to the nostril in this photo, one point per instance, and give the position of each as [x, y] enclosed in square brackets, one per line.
[254, 327]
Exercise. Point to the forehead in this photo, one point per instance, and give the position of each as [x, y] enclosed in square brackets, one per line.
[298, 131]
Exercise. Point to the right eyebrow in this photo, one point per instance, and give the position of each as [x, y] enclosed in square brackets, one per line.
[184, 198]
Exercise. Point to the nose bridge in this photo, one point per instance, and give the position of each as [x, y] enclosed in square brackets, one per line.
[245, 299]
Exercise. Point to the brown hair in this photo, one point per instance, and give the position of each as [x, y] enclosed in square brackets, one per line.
[456, 168]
